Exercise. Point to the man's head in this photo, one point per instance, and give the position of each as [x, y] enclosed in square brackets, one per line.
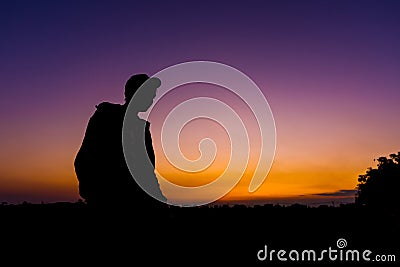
[132, 84]
[144, 98]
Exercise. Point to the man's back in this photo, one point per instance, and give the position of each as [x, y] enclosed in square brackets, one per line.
[103, 175]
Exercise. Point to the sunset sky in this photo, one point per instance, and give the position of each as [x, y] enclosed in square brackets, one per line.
[330, 71]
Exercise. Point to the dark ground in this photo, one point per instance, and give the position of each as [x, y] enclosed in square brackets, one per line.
[62, 233]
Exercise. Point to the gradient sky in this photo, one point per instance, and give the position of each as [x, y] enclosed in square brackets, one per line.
[329, 69]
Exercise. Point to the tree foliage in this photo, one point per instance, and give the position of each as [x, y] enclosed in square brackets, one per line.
[380, 186]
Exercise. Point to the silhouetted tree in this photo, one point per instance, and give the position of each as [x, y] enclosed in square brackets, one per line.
[379, 187]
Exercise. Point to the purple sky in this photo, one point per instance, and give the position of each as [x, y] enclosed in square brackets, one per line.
[329, 69]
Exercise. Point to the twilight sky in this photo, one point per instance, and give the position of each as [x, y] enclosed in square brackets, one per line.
[329, 69]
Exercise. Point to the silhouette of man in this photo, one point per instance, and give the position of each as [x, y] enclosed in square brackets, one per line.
[100, 165]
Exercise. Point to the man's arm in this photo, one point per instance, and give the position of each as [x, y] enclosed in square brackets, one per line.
[149, 144]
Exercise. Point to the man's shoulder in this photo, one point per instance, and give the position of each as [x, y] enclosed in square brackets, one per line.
[107, 106]
[107, 110]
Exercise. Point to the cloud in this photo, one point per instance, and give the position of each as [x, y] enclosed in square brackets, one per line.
[339, 193]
